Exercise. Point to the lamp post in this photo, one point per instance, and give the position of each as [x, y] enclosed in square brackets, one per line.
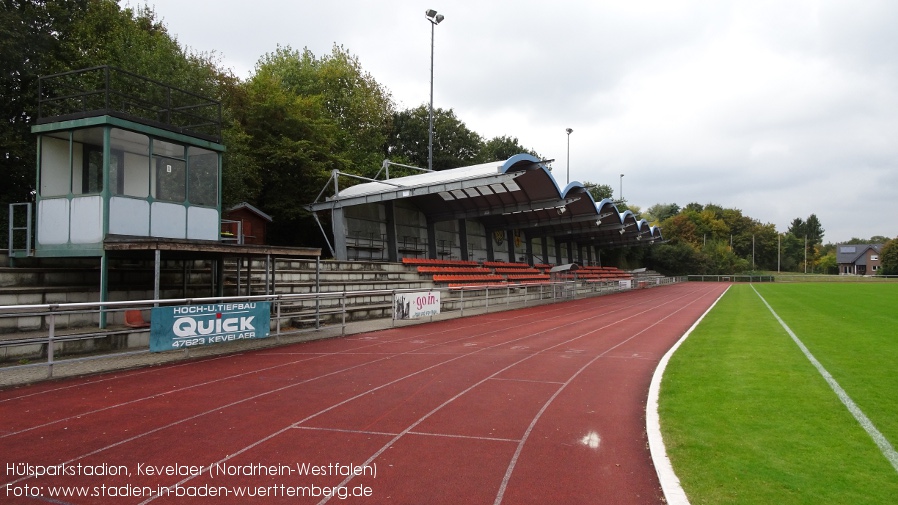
[569, 131]
[622, 188]
[434, 19]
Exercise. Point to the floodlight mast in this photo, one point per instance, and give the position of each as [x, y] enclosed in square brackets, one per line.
[434, 19]
[622, 188]
[569, 131]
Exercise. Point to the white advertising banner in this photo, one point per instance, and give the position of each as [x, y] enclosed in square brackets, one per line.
[415, 305]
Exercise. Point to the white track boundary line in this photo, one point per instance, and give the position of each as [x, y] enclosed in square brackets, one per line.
[670, 483]
[500, 495]
[297, 424]
[881, 441]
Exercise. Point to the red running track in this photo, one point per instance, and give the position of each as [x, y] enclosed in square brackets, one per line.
[539, 405]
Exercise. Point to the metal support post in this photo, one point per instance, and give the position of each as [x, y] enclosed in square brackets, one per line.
[50, 344]
[343, 314]
[157, 271]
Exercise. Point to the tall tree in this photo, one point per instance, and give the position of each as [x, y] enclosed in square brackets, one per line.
[287, 142]
[134, 39]
[360, 106]
[598, 192]
[810, 234]
[810, 228]
[889, 258]
[660, 211]
[502, 148]
[297, 119]
[454, 145]
[815, 230]
[31, 44]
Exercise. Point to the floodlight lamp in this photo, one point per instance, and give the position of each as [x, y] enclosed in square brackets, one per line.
[569, 131]
[430, 13]
[440, 18]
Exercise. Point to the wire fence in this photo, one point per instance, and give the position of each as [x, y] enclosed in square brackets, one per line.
[791, 277]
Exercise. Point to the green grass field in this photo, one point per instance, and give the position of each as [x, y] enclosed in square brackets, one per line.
[747, 419]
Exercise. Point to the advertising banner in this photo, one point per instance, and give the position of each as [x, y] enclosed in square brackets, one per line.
[194, 325]
[415, 305]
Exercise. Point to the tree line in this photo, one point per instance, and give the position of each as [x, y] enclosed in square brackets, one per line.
[299, 116]
[712, 240]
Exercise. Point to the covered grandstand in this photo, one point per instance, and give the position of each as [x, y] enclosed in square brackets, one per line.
[512, 211]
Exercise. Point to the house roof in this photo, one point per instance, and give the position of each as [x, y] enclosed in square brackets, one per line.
[519, 193]
[855, 254]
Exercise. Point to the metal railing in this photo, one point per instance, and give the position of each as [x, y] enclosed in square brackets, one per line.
[106, 89]
[792, 277]
[64, 338]
[731, 278]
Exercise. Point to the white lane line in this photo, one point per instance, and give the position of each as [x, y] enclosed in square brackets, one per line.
[125, 374]
[382, 386]
[527, 380]
[308, 357]
[422, 433]
[881, 441]
[447, 402]
[670, 483]
[514, 459]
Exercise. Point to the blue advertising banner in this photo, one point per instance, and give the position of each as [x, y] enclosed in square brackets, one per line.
[194, 325]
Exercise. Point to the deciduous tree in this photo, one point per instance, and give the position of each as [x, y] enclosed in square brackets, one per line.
[361, 107]
[598, 192]
[454, 145]
[502, 148]
[889, 258]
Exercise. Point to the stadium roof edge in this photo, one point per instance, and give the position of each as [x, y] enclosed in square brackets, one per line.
[518, 193]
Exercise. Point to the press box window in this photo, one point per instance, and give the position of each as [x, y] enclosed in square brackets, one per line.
[170, 171]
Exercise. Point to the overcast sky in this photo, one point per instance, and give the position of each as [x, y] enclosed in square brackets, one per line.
[779, 108]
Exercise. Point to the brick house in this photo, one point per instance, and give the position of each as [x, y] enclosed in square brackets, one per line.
[858, 259]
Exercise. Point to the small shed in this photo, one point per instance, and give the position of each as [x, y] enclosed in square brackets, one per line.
[245, 224]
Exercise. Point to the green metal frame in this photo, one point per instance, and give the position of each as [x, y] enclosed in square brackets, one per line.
[107, 123]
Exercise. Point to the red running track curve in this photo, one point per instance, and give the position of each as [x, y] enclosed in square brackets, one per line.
[533, 406]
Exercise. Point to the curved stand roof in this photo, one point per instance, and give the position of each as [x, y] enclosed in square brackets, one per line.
[519, 193]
